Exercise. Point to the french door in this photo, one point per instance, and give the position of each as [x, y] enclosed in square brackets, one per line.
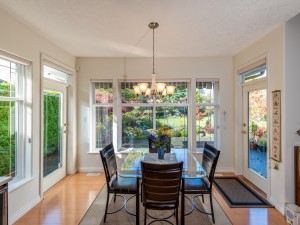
[54, 132]
[255, 135]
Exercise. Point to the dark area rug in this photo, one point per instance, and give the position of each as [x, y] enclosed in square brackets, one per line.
[238, 195]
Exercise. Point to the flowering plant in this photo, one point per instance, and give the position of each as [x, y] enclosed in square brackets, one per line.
[161, 136]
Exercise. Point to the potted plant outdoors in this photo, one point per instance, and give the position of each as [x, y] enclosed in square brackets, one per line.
[252, 138]
[262, 144]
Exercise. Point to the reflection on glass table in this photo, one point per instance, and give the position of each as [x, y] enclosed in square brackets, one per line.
[131, 166]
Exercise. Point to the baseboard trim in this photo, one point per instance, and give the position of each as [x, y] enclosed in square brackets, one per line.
[277, 205]
[90, 169]
[17, 215]
[225, 170]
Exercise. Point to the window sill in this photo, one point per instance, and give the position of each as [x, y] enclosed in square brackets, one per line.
[12, 186]
[120, 151]
[92, 152]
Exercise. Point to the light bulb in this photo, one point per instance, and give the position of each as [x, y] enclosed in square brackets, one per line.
[143, 87]
[160, 87]
[170, 90]
[148, 92]
[136, 90]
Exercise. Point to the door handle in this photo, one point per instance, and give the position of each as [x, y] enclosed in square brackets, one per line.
[243, 132]
[66, 128]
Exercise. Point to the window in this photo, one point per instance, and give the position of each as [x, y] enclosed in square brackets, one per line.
[12, 119]
[102, 110]
[206, 104]
[140, 113]
[253, 71]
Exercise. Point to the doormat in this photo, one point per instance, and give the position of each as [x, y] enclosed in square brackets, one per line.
[238, 195]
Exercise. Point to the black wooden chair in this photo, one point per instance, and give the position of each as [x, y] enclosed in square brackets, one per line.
[161, 187]
[115, 184]
[152, 146]
[201, 186]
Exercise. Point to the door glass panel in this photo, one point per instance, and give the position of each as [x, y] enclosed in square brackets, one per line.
[257, 127]
[52, 131]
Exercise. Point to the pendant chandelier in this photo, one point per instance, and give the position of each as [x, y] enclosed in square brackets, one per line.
[156, 88]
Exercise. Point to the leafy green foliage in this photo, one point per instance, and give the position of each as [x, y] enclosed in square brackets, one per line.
[7, 132]
[52, 129]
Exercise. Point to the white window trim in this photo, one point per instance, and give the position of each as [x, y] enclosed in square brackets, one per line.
[216, 106]
[24, 148]
[93, 107]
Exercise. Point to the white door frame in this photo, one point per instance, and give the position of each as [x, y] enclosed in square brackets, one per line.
[60, 173]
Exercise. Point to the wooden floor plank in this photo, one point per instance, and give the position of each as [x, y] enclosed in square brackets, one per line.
[67, 202]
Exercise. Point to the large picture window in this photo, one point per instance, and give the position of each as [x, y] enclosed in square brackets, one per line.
[102, 109]
[206, 104]
[136, 114]
[141, 113]
[12, 119]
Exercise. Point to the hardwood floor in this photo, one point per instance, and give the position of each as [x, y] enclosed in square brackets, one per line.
[67, 202]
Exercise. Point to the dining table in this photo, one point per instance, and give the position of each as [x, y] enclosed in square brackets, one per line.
[131, 167]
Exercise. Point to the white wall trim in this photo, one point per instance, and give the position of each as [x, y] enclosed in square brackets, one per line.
[18, 214]
[225, 170]
[277, 205]
[90, 169]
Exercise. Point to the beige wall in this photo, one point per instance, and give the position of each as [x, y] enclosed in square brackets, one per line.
[291, 84]
[20, 40]
[168, 68]
[271, 45]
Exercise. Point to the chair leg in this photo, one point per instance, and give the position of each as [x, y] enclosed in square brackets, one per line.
[145, 216]
[106, 206]
[115, 198]
[176, 210]
[202, 198]
[212, 208]
[182, 208]
[141, 192]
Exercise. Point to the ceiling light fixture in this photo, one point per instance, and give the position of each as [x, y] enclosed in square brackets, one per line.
[156, 88]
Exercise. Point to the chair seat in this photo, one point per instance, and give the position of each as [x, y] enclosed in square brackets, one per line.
[123, 185]
[196, 185]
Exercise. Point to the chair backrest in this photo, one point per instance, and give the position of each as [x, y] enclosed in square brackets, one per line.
[152, 146]
[210, 160]
[109, 161]
[161, 182]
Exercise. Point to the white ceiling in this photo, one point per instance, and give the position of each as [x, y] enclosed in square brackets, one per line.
[119, 28]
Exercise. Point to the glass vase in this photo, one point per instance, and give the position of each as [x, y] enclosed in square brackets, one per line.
[161, 153]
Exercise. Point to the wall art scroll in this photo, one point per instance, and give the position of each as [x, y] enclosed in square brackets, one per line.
[276, 126]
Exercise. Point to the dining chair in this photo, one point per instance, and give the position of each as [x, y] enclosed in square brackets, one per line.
[152, 146]
[201, 186]
[160, 188]
[116, 184]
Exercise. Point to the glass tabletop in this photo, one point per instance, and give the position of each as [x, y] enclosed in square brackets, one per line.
[131, 167]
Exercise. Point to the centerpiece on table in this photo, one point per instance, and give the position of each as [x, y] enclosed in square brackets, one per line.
[160, 141]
